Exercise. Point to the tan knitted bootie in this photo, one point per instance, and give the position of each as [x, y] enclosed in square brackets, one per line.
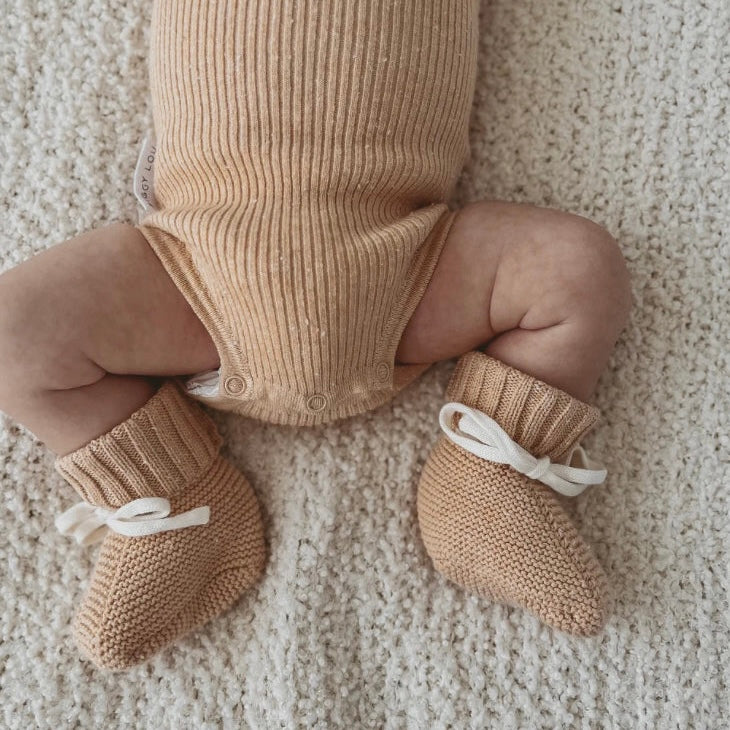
[158, 577]
[495, 530]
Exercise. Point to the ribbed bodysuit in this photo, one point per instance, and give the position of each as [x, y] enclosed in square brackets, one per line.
[305, 149]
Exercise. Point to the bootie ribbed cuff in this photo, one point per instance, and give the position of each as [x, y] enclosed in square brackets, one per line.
[544, 420]
[163, 447]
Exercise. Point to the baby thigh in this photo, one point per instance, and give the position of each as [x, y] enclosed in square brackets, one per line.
[544, 291]
[82, 325]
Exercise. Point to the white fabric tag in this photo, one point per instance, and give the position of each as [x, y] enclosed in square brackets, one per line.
[144, 174]
[205, 384]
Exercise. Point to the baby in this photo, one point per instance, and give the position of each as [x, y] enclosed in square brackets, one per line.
[300, 265]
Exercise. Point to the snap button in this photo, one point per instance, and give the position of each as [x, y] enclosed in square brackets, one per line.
[234, 385]
[317, 402]
[382, 371]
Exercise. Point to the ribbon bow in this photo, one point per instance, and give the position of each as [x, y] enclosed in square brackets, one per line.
[484, 437]
[146, 516]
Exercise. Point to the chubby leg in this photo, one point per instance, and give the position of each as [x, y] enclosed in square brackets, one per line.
[547, 293]
[82, 325]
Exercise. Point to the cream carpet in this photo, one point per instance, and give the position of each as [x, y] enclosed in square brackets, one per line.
[615, 109]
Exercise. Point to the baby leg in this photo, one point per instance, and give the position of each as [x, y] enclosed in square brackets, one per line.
[81, 325]
[548, 294]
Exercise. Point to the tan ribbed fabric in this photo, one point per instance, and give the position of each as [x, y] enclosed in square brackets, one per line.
[304, 153]
[147, 591]
[496, 532]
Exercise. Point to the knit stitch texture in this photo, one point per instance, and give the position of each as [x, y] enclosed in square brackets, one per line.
[305, 151]
[494, 530]
[614, 110]
[147, 591]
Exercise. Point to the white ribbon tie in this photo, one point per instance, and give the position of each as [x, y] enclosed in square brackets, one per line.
[146, 516]
[484, 437]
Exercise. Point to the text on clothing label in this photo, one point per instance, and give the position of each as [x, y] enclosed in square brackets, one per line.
[144, 174]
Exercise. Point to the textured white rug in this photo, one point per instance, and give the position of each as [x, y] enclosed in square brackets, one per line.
[617, 110]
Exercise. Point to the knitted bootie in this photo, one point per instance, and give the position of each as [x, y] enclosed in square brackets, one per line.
[158, 577]
[495, 530]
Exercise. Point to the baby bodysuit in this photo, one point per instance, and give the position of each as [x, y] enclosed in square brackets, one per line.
[305, 149]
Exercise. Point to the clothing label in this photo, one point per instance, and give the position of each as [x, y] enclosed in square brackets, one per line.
[144, 174]
[204, 384]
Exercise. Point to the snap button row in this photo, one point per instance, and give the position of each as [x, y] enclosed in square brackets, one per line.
[317, 402]
[234, 385]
